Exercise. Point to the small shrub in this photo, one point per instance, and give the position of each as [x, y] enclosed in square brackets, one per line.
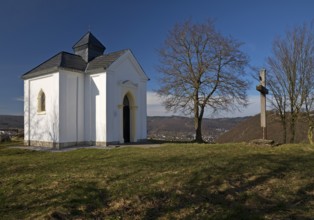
[4, 138]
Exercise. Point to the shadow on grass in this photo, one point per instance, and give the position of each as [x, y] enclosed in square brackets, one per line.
[6, 144]
[82, 200]
[176, 184]
[236, 195]
[85, 200]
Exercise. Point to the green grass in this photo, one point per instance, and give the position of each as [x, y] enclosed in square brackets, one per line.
[179, 181]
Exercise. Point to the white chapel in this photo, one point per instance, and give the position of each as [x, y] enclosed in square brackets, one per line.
[85, 98]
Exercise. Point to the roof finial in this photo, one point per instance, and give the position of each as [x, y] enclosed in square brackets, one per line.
[89, 28]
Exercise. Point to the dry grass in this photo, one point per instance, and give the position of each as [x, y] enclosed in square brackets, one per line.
[179, 181]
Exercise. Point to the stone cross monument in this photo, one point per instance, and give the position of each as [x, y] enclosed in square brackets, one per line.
[263, 91]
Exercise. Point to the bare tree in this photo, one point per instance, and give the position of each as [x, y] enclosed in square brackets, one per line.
[278, 100]
[309, 104]
[308, 94]
[201, 68]
[291, 66]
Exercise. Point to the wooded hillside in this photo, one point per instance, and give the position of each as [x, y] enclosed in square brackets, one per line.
[250, 129]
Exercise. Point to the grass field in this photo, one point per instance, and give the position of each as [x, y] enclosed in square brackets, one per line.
[183, 181]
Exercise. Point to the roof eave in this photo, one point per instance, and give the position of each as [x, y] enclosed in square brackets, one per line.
[98, 70]
[140, 66]
[48, 71]
[71, 69]
[30, 75]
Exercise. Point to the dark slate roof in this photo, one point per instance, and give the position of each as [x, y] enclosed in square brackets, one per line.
[89, 39]
[61, 60]
[104, 61]
[73, 62]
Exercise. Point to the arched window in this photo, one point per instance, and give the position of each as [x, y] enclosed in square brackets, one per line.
[126, 101]
[41, 101]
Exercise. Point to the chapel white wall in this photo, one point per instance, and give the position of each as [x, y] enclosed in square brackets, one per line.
[41, 126]
[112, 102]
[95, 108]
[71, 107]
[124, 77]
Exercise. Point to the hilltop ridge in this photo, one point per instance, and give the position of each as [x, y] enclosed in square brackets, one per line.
[250, 129]
[182, 128]
[11, 121]
[219, 130]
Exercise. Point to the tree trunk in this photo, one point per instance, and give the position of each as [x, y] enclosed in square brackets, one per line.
[310, 133]
[292, 128]
[197, 119]
[198, 130]
[198, 126]
[284, 127]
[284, 130]
[285, 134]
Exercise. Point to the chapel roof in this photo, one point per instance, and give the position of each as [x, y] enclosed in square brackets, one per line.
[89, 39]
[104, 61]
[75, 62]
[61, 60]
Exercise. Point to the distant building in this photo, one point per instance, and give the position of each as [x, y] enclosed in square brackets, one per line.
[85, 98]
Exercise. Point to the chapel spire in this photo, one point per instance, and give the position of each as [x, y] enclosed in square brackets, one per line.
[88, 47]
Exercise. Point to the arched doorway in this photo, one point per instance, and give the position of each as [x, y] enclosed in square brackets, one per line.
[126, 119]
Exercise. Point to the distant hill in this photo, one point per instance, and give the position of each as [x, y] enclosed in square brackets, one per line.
[174, 127]
[182, 128]
[250, 129]
[11, 121]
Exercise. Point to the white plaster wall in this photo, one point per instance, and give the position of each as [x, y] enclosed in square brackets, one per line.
[87, 109]
[125, 77]
[71, 106]
[26, 111]
[95, 107]
[112, 113]
[143, 109]
[115, 94]
[43, 126]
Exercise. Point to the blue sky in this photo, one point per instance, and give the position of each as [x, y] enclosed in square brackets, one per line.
[34, 30]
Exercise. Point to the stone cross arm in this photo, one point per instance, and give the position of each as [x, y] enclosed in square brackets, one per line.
[262, 89]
